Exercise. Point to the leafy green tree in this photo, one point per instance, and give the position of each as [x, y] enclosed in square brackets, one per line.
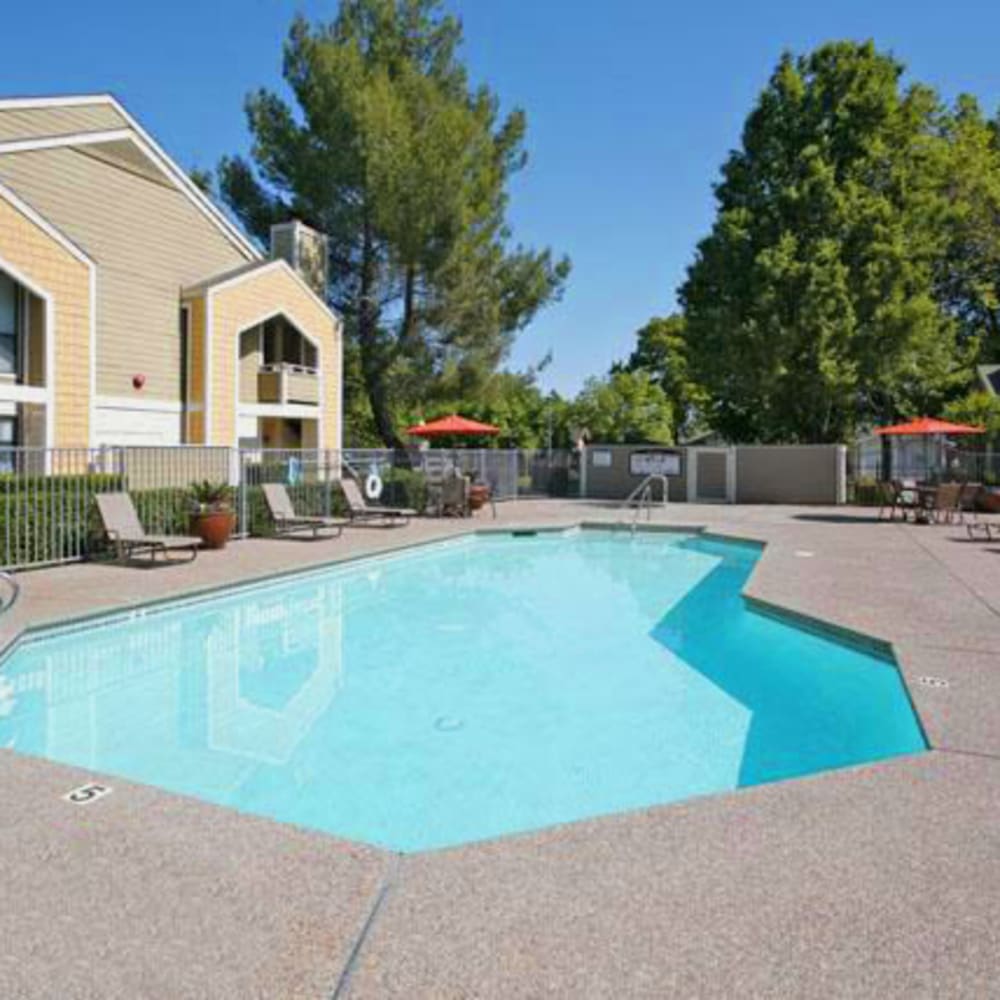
[512, 401]
[968, 274]
[980, 409]
[811, 306]
[624, 408]
[405, 166]
[661, 350]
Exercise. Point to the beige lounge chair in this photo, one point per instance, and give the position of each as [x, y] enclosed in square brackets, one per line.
[287, 522]
[124, 530]
[358, 510]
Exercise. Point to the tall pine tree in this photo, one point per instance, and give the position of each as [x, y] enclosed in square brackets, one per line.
[405, 166]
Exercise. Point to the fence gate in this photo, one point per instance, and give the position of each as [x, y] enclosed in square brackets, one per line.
[711, 475]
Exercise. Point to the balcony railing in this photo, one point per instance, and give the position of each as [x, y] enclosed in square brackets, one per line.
[285, 383]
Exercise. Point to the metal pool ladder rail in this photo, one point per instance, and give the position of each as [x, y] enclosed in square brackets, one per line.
[15, 591]
[642, 497]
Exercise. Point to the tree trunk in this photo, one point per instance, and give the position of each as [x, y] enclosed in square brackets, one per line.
[372, 362]
[408, 328]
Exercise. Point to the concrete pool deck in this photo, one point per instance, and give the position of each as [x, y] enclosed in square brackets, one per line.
[880, 880]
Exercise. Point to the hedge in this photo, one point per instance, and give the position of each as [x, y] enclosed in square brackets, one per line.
[48, 518]
[53, 518]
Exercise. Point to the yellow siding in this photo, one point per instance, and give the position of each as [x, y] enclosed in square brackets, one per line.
[49, 266]
[30, 123]
[247, 303]
[196, 416]
[35, 375]
[148, 240]
[251, 358]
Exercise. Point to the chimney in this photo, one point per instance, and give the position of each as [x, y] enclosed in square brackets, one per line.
[306, 250]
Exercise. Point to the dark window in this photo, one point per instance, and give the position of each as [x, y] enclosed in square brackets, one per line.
[8, 441]
[9, 325]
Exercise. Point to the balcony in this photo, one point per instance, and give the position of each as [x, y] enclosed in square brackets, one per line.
[286, 383]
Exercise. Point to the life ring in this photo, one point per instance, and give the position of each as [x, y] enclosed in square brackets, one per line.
[373, 486]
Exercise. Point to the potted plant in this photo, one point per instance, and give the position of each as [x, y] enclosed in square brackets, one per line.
[212, 517]
[479, 494]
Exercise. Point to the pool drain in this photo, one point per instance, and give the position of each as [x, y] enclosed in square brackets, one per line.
[933, 682]
[447, 724]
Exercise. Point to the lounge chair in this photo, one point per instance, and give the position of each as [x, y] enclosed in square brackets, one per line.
[977, 525]
[287, 522]
[358, 510]
[124, 530]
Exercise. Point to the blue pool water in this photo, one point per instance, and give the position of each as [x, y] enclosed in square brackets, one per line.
[462, 691]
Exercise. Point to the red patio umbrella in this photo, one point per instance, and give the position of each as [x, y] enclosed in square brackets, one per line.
[450, 427]
[929, 425]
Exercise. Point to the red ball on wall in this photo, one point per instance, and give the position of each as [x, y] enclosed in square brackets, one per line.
[138, 381]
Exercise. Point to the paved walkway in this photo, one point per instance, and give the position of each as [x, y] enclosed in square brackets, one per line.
[881, 880]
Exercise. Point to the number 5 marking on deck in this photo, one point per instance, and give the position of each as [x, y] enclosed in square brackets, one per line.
[86, 794]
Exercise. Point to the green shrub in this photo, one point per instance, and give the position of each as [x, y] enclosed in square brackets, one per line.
[165, 511]
[404, 488]
[52, 518]
[311, 499]
[48, 518]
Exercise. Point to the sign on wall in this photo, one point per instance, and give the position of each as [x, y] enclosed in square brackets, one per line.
[658, 462]
[600, 458]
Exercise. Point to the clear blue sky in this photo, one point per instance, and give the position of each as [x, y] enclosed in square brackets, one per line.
[632, 106]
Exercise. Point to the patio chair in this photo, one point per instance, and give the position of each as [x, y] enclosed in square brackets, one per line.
[945, 506]
[898, 495]
[436, 468]
[125, 532]
[455, 495]
[358, 510]
[287, 522]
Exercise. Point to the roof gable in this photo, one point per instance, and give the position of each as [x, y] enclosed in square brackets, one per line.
[104, 126]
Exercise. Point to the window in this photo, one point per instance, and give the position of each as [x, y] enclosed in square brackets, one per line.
[283, 344]
[9, 325]
[8, 441]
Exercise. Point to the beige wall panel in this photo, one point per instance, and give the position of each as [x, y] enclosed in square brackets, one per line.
[615, 481]
[30, 123]
[803, 474]
[148, 241]
[48, 265]
[129, 156]
[711, 475]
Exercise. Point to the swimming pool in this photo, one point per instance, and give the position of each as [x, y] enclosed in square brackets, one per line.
[463, 690]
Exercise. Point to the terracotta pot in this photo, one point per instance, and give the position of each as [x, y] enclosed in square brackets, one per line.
[213, 527]
[478, 495]
[988, 500]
